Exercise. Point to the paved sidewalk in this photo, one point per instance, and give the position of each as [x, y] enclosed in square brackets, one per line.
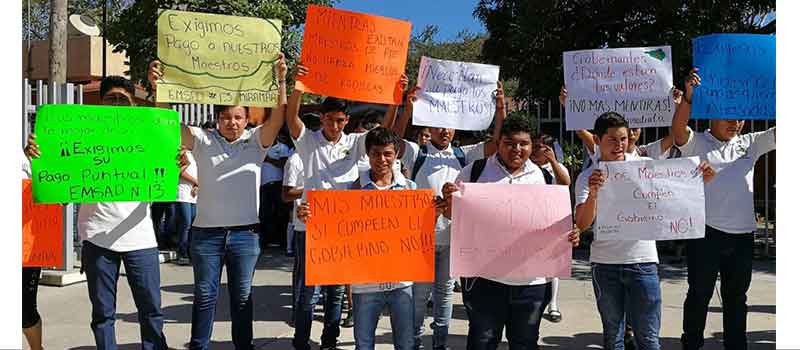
[66, 312]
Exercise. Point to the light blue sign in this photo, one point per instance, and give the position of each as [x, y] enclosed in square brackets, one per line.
[738, 76]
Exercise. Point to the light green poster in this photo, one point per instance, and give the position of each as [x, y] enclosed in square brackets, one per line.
[217, 59]
[105, 154]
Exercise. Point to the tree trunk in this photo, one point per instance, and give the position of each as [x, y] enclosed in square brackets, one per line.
[58, 41]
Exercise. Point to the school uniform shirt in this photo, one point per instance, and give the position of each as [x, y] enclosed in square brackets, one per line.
[117, 226]
[653, 150]
[729, 196]
[293, 177]
[229, 177]
[614, 251]
[184, 186]
[439, 168]
[329, 165]
[26, 167]
[399, 182]
[549, 168]
[494, 172]
[269, 172]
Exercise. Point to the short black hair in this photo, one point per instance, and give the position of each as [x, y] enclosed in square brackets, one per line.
[608, 120]
[335, 104]
[371, 120]
[381, 136]
[546, 139]
[311, 121]
[116, 81]
[209, 124]
[220, 108]
[514, 125]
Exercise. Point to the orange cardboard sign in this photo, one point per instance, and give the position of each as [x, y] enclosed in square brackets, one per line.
[354, 56]
[370, 236]
[42, 225]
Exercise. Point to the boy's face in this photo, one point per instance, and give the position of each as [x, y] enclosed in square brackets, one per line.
[333, 124]
[538, 152]
[613, 144]
[424, 136]
[381, 158]
[726, 129]
[441, 137]
[633, 135]
[117, 97]
[232, 122]
[515, 149]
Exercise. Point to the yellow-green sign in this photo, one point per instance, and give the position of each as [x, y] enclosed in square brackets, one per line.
[217, 59]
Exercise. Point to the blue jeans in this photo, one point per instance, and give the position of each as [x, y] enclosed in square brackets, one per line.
[184, 215]
[492, 306]
[236, 248]
[163, 216]
[367, 309]
[632, 292]
[442, 290]
[142, 269]
[307, 297]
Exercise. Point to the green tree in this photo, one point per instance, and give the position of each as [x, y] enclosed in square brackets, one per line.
[527, 38]
[466, 47]
[134, 30]
[36, 14]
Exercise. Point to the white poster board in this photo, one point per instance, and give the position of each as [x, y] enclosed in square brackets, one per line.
[456, 95]
[634, 82]
[651, 200]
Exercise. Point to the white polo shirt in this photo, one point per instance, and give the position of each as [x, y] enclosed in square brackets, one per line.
[269, 172]
[293, 177]
[328, 165]
[439, 168]
[229, 175]
[549, 168]
[653, 150]
[614, 252]
[184, 186]
[494, 172]
[729, 196]
[117, 226]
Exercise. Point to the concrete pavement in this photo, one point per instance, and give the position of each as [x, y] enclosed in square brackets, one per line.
[66, 312]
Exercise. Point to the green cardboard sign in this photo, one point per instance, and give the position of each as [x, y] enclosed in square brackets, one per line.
[106, 154]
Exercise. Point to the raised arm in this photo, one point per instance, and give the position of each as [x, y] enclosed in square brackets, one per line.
[391, 111]
[293, 121]
[399, 126]
[680, 121]
[586, 211]
[587, 138]
[490, 148]
[276, 118]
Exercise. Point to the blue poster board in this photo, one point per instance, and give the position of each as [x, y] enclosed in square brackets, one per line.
[738, 76]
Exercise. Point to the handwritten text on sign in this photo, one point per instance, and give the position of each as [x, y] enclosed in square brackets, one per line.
[651, 200]
[217, 59]
[455, 95]
[634, 82]
[511, 231]
[42, 225]
[354, 56]
[738, 72]
[370, 236]
[105, 154]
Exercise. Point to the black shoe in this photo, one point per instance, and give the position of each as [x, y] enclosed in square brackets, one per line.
[348, 322]
[630, 341]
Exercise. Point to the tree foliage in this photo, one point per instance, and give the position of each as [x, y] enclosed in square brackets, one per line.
[527, 38]
[466, 47]
[134, 30]
[36, 14]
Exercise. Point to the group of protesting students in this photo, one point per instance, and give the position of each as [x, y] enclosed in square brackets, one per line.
[228, 161]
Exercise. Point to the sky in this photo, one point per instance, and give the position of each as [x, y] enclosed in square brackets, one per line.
[451, 16]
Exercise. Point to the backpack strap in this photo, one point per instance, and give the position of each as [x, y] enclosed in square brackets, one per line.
[477, 169]
[421, 155]
[459, 154]
[548, 178]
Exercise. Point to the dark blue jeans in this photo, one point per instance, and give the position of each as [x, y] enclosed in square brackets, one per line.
[628, 292]
[163, 216]
[237, 249]
[142, 269]
[184, 215]
[307, 298]
[491, 306]
[730, 257]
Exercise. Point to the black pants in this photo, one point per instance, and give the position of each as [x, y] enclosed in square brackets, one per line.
[492, 306]
[730, 256]
[30, 287]
[273, 214]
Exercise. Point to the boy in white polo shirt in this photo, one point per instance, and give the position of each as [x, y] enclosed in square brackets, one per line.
[370, 299]
[330, 160]
[491, 303]
[432, 165]
[727, 248]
